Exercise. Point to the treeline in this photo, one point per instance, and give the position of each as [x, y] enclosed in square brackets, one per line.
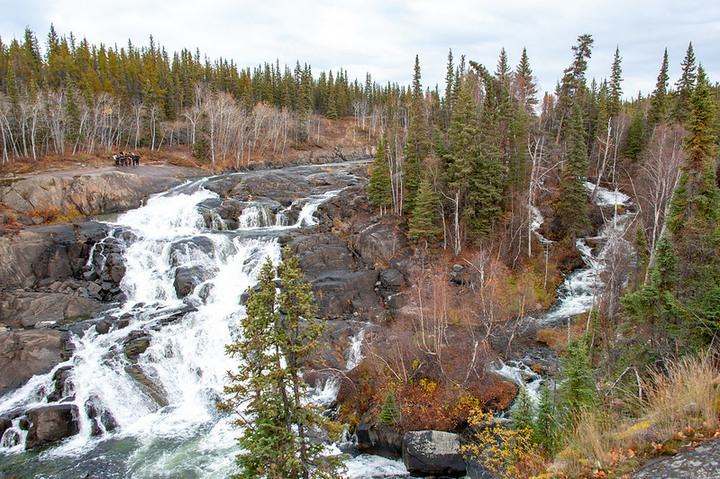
[78, 97]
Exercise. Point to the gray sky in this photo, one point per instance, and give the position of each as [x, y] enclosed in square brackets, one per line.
[382, 37]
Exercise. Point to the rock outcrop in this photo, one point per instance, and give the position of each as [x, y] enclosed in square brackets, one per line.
[433, 453]
[88, 192]
[702, 462]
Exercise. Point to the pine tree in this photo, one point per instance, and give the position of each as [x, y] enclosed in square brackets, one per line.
[267, 390]
[379, 186]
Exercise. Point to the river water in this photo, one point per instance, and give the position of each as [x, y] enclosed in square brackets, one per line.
[156, 417]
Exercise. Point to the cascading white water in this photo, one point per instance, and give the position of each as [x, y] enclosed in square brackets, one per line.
[162, 402]
[581, 289]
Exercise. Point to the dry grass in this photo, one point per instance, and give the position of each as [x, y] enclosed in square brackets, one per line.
[687, 395]
[680, 409]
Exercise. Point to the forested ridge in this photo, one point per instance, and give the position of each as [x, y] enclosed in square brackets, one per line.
[466, 169]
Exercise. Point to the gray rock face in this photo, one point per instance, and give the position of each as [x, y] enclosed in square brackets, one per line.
[51, 423]
[25, 353]
[28, 309]
[433, 453]
[703, 462]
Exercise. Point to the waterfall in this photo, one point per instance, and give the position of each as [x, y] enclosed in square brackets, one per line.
[146, 391]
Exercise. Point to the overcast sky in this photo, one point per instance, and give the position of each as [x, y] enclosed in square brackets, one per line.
[382, 37]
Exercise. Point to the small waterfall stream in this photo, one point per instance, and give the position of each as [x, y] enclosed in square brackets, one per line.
[580, 289]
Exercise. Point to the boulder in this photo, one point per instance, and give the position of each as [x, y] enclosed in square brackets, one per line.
[25, 353]
[373, 437]
[187, 278]
[433, 453]
[51, 423]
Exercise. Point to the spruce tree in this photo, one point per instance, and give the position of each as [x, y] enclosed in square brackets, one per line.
[487, 177]
[523, 411]
[525, 86]
[389, 413]
[681, 110]
[577, 388]
[417, 145]
[268, 390]
[423, 223]
[572, 205]
[658, 104]
[615, 86]
[546, 427]
[379, 187]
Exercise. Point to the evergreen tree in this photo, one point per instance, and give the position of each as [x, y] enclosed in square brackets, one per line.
[267, 390]
[417, 145]
[525, 86]
[546, 427]
[423, 222]
[636, 135]
[487, 177]
[389, 414]
[572, 205]
[523, 412]
[577, 388]
[572, 87]
[658, 104]
[615, 86]
[681, 110]
[379, 187]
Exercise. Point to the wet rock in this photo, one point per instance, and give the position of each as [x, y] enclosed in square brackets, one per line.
[147, 385]
[136, 344]
[62, 384]
[376, 438]
[51, 423]
[188, 277]
[101, 420]
[433, 453]
[5, 424]
[25, 353]
[184, 250]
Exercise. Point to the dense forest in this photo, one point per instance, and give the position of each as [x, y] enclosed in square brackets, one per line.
[469, 167]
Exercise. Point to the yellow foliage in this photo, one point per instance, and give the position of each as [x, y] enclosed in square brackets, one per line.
[506, 452]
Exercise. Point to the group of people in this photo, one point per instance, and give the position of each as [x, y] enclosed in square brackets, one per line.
[125, 158]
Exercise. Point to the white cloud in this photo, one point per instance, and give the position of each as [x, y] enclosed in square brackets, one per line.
[383, 37]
